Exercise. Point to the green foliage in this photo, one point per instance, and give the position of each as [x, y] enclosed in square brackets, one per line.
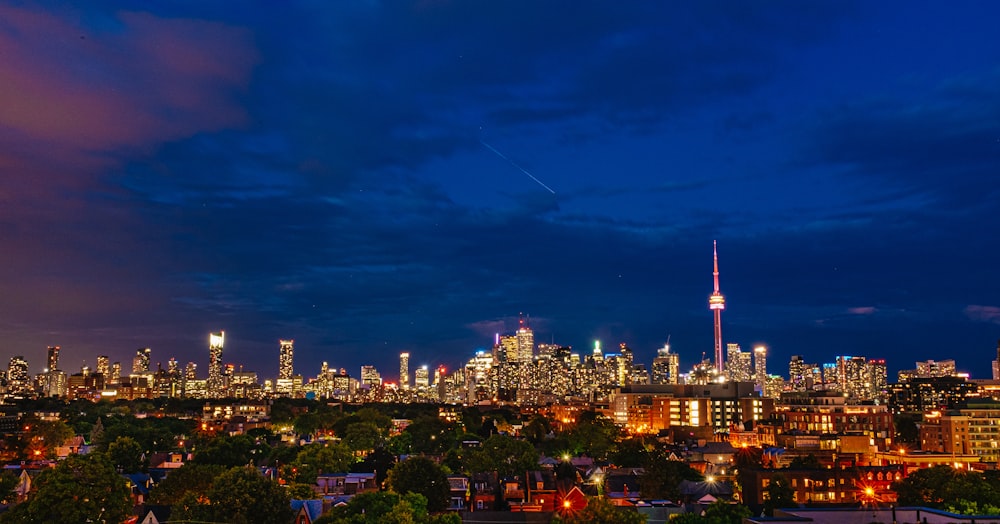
[314, 459]
[44, 436]
[663, 477]
[430, 434]
[941, 486]
[506, 455]
[231, 451]
[302, 491]
[8, 481]
[719, 512]
[537, 429]
[189, 478]
[241, 495]
[379, 462]
[594, 435]
[631, 453]
[152, 433]
[600, 511]
[362, 436]
[81, 488]
[780, 494]
[127, 456]
[386, 507]
[421, 475]
[907, 430]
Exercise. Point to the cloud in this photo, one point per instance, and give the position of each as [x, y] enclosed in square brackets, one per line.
[978, 313]
[864, 310]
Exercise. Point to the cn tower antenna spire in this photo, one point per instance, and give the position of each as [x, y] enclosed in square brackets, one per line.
[717, 303]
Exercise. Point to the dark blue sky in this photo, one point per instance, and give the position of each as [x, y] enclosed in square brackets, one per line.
[319, 172]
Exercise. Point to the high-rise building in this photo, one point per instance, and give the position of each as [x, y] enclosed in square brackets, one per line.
[421, 377]
[404, 371]
[996, 363]
[140, 362]
[525, 341]
[717, 303]
[760, 367]
[116, 373]
[53, 358]
[509, 351]
[738, 364]
[216, 341]
[18, 380]
[370, 377]
[287, 348]
[104, 366]
[666, 366]
[799, 374]
[191, 371]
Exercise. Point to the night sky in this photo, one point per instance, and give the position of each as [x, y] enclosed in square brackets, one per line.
[358, 176]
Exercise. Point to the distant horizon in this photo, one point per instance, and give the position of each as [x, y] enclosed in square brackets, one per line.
[369, 178]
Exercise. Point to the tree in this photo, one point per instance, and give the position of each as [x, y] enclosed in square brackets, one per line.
[321, 458]
[189, 478]
[81, 488]
[241, 495]
[229, 451]
[127, 456]
[600, 511]
[362, 436]
[386, 507]
[503, 454]
[808, 462]
[594, 435]
[43, 437]
[940, 486]
[662, 478]
[778, 494]
[421, 475]
[722, 512]
[8, 481]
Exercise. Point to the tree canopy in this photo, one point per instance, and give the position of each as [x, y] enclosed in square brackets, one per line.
[944, 487]
[504, 454]
[81, 488]
[601, 511]
[241, 495]
[421, 475]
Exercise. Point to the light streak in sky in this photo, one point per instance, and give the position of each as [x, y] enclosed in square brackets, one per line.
[523, 170]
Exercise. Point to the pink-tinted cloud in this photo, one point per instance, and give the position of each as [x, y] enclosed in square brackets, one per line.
[68, 89]
[863, 310]
[983, 313]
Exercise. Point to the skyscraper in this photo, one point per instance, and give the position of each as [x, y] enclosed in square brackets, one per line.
[760, 367]
[53, 358]
[140, 362]
[666, 366]
[404, 370]
[716, 303]
[104, 366]
[287, 348]
[215, 343]
[421, 377]
[738, 365]
[525, 341]
[17, 375]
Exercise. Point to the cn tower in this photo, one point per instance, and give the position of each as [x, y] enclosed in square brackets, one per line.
[717, 303]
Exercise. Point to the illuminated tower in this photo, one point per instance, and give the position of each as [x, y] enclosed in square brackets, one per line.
[53, 360]
[404, 371]
[215, 343]
[717, 303]
[104, 366]
[140, 362]
[760, 366]
[666, 366]
[17, 375]
[525, 341]
[285, 358]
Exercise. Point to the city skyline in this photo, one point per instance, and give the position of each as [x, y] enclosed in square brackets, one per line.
[369, 179]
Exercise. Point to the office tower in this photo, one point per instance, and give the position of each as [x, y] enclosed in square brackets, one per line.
[370, 377]
[287, 348]
[18, 380]
[876, 386]
[173, 367]
[508, 349]
[717, 303]
[404, 371]
[140, 362]
[216, 341]
[928, 369]
[104, 366]
[797, 369]
[53, 358]
[421, 377]
[525, 341]
[739, 367]
[191, 371]
[116, 373]
[666, 366]
[760, 366]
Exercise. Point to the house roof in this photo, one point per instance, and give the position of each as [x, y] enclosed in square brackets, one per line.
[313, 508]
